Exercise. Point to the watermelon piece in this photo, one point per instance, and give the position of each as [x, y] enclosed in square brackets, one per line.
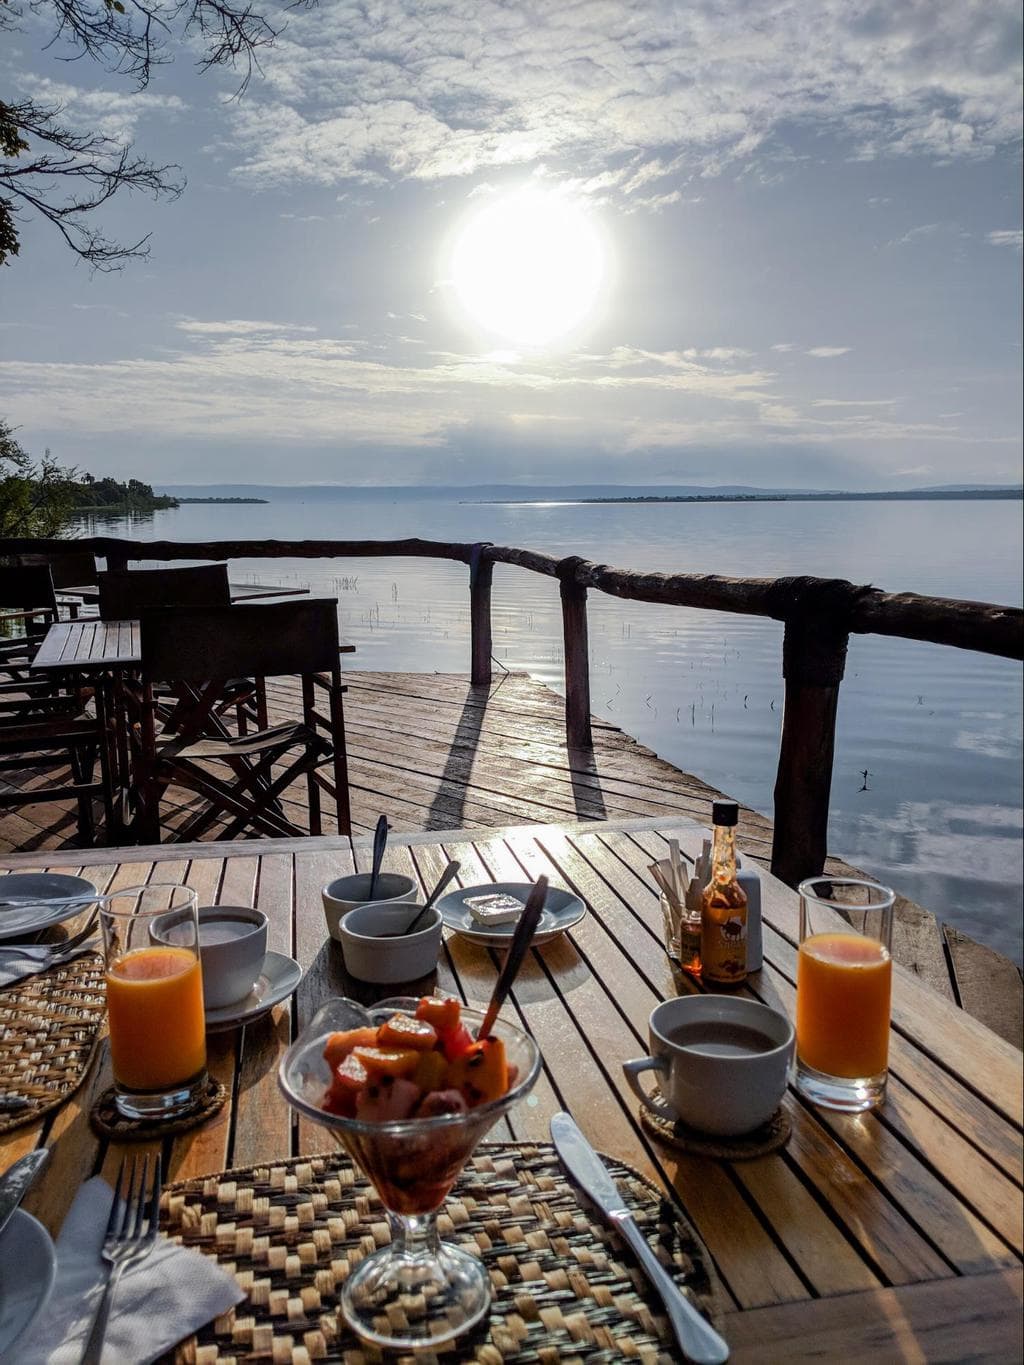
[457, 1042]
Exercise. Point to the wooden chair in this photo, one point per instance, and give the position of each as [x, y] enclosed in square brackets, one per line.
[242, 778]
[43, 722]
[71, 570]
[126, 594]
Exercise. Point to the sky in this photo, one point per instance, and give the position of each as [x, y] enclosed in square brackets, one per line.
[712, 242]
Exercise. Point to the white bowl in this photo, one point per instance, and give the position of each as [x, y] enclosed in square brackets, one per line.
[370, 956]
[347, 893]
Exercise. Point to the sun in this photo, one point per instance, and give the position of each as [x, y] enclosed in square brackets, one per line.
[530, 267]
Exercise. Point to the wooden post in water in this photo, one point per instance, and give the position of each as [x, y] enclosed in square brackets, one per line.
[481, 573]
[577, 656]
[813, 661]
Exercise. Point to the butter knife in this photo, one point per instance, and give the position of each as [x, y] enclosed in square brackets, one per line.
[699, 1340]
[15, 1184]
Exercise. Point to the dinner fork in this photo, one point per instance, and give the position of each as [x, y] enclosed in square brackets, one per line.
[40, 951]
[129, 1238]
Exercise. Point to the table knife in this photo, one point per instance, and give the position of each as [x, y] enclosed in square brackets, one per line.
[699, 1340]
[15, 1184]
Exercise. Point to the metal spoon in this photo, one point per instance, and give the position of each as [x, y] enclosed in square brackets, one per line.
[380, 843]
[443, 881]
[521, 940]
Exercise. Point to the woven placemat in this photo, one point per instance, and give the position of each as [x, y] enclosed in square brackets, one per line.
[563, 1289]
[109, 1122]
[768, 1138]
[50, 1026]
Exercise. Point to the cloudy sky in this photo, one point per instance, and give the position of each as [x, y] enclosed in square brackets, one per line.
[713, 241]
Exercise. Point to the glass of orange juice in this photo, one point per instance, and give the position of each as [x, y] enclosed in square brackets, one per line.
[843, 990]
[154, 999]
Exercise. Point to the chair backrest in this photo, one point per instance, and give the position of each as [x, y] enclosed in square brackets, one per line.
[127, 593]
[75, 569]
[26, 587]
[264, 640]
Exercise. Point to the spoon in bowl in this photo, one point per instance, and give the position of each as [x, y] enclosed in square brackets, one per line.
[428, 904]
[380, 843]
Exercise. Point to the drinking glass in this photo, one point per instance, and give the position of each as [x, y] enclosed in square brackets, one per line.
[843, 990]
[418, 1292]
[154, 999]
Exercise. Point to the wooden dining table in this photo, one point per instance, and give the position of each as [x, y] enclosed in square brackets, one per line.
[894, 1234]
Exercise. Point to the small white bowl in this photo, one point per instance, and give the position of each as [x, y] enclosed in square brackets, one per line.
[369, 956]
[347, 893]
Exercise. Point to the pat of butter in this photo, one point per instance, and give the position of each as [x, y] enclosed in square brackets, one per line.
[495, 909]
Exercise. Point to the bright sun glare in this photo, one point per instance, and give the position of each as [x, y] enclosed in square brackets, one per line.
[529, 267]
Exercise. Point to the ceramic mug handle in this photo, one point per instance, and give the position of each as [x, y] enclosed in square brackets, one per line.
[632, 1072]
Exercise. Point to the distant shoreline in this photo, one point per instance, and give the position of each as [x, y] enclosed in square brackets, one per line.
[968, 495]
[219, 500]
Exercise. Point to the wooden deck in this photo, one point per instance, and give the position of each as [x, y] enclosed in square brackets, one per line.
[433, 752]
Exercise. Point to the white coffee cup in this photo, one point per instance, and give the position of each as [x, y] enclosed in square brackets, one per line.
[346, 893]
[722, 1063]
[232, 948]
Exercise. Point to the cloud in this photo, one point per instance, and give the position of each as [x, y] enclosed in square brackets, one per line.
[717, 353]
[631, 97]
[240, 327]
[783, 346]
[828, 352]
[114, 113]
[854, 402]
[927, 231]
[1012, 237]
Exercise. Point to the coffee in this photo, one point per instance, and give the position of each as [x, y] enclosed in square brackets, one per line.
[224, 930]
[721, 1038]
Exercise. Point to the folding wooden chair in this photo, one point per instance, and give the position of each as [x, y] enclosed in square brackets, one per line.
[242, 778]
[75, 569]
[43, 722]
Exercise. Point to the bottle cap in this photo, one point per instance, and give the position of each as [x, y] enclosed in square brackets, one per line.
[725, 813]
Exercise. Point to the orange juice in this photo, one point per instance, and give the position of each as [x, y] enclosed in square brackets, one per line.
[157, 1026]
[843, 985]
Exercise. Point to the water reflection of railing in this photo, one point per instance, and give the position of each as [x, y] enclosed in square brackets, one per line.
[819, 616]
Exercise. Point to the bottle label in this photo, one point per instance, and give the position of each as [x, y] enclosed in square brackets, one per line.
[725, 949]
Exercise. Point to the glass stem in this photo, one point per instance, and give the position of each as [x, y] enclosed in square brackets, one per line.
[414, 1235]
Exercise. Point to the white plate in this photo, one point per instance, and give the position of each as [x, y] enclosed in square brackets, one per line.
[58, 897]
[27, 1267]
[561, 911]
[279, 977]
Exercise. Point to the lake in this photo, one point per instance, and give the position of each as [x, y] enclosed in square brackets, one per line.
[927, 791]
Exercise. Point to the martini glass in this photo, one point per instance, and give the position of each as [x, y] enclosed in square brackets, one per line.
[419, 1291]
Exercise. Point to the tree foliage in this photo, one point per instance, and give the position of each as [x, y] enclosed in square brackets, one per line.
[36, 499]
[64, 175]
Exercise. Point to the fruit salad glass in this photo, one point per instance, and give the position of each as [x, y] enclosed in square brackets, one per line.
[418, 1292]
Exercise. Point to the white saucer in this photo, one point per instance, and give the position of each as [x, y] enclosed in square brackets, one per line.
[561, 911]
[58, 897]
[279, 977]
[27, 1268]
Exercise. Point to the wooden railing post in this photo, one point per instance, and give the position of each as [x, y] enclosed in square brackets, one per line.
[813, 660]
[117, 560]
[577, 656]
[481, 573]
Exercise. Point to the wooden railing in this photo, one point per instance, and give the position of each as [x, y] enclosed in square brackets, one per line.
[819, 616]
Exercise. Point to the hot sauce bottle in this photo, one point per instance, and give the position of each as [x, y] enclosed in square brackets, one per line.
[723, 937]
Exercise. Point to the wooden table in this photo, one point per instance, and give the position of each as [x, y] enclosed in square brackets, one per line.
[893, 1235]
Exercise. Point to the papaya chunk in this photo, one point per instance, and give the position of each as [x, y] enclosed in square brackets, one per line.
[339, 1045]
[402, 1032]
[442, 1014]
[480, 1073]
[432, 1071]
[381, 1061]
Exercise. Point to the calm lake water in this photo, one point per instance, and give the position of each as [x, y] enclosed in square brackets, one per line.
[937, 731]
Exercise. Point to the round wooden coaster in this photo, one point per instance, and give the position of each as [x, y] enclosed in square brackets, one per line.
[108, 1121]
[768, 1138]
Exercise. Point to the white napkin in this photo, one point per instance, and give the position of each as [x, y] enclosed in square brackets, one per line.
[14, 967]
[157, 1303]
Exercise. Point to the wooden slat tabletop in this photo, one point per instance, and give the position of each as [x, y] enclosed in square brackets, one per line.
[896, 1234]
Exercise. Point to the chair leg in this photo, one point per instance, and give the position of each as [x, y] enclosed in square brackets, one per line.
[342, 798]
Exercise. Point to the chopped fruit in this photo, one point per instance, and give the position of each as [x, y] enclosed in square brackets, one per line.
[380, 1061]
[481, 1073]
[402, 1032]
[339, 1045]
[350, 1076]
[457, 1042]
[441, 1102]
[432, 1071]
[387, 1099]
[442, 1015]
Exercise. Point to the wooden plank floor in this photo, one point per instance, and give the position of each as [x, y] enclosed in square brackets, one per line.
[432, 752]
